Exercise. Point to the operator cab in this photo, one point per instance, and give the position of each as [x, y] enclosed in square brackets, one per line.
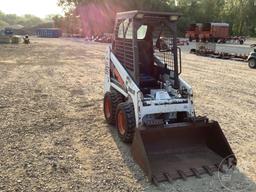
[156, 56]
[145, 43]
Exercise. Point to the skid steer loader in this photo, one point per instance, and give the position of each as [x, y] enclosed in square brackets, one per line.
[152, 106]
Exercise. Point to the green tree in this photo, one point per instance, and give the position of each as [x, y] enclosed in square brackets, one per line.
[242, 15]
[3, 24]
[26, 20]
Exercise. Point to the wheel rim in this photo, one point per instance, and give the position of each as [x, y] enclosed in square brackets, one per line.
[107, 107]
[121, 122]
[252, 63]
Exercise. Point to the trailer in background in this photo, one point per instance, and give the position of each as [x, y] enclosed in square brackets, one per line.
[193, 32]
[49, 32]
[208, 49]
[212, 32]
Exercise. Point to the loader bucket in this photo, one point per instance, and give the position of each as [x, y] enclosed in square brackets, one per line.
[181, 150]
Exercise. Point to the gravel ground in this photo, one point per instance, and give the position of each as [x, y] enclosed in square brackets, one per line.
[54, 136]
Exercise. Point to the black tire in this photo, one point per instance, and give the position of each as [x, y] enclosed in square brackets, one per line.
[190, 39]
[241, 42]
[110, 103]
[252, 63]
[125, 121]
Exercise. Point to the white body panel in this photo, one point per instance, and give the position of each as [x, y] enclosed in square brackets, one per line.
[142, 106]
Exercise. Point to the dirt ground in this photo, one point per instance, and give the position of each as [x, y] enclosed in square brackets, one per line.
[53, 136]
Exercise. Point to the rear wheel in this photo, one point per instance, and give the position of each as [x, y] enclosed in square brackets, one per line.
[111, 101]
[252, 63]
[125, 121]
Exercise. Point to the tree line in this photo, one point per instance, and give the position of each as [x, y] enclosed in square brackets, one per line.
[69, 23]
[26, 20]
[98, 15]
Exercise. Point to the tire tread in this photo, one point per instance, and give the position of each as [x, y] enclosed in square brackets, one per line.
[128, 108]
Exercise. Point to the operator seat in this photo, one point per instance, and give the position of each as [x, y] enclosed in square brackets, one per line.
[146, 63]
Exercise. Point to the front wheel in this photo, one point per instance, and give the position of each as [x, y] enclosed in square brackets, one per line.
[111, 101]
[252, 63]
[125, 121]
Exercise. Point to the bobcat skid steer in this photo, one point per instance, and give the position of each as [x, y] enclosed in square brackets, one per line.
[152, 106]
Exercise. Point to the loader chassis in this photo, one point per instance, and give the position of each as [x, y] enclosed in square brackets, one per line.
[151, 105]
[142, 68]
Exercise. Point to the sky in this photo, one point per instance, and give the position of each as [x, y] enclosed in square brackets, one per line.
[40, 8]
